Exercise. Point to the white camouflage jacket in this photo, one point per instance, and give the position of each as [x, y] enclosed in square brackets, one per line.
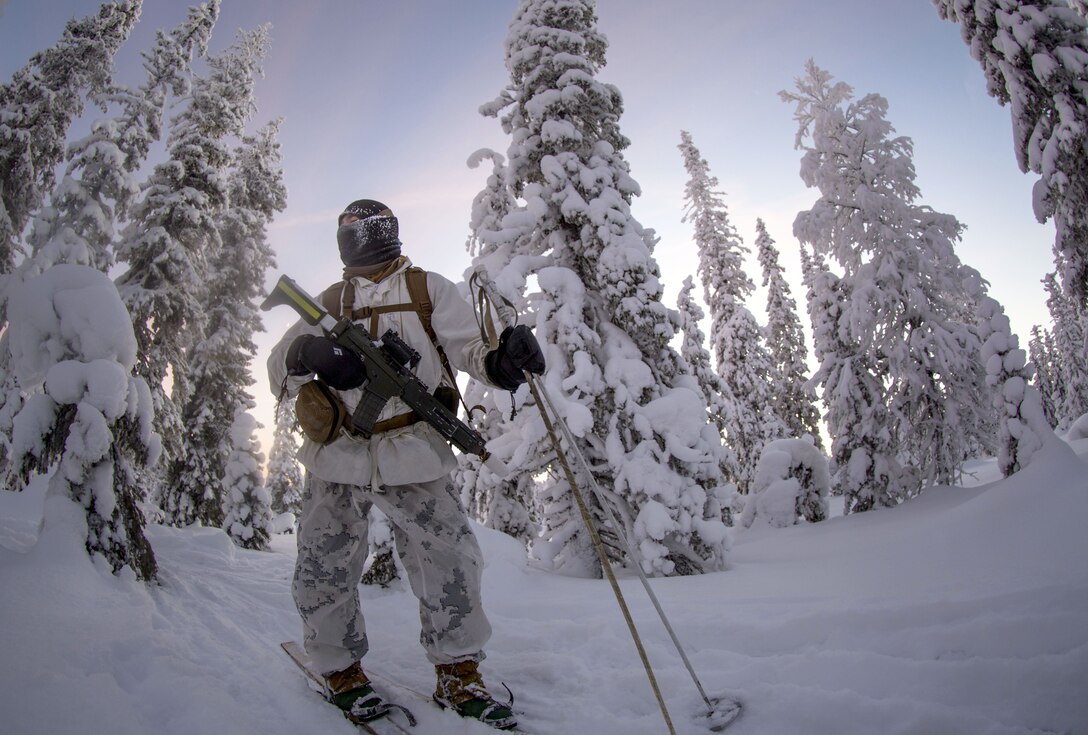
[415, 453]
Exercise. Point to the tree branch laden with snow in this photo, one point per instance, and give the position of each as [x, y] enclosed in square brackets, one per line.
[71, 338]
[566, 229]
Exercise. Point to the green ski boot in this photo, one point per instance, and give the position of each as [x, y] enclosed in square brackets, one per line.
[461, 688]
[351, 691]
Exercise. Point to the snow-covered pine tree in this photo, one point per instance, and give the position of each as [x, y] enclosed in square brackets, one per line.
[1022, 425]
[720, 403]
[247, 508]
[284, 475]
[37, 108]
[1034, 54]
[863, 458]
[489, 207]
[174, 229]
[502, 503]
[639, 416]
[72, 343]
[98, 188]
[1069, 349]
[907, 308]
[744, 362]
[794, 401]
[219, 360]
[1047, 372]
[791, 484]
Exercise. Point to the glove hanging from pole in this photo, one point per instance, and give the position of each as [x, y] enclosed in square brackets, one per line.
[518, 351]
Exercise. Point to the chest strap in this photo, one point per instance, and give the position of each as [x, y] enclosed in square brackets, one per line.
[339, 300]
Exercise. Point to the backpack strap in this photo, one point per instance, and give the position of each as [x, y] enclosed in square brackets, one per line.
[339, 299]
[421, 301]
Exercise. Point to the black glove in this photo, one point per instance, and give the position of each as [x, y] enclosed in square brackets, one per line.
[338, 366]
[518, 350]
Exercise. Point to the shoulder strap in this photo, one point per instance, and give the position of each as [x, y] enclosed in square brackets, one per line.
[331, 298]
[339, 299]
[421, 299]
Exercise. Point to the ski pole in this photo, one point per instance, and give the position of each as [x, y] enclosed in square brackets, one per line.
[507, 315]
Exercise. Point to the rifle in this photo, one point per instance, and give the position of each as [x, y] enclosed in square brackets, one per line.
[388, 363]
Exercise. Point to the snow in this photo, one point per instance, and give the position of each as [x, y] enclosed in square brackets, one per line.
[1079, 429]
[778, 496]
[68, 310]
[959, 611]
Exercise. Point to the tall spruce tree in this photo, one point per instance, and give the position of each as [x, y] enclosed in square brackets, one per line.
[637, 412]
[98, 187]
[1034, 54]
[284, 475]
[219, 361]
[794, 400]
[1070, 337]
[720, 403]
[1047, 372]
[864, 467]
[906, 309]
[246, 505]
[736, 338]
[37, 108]
[1022, 425]
[175, 229]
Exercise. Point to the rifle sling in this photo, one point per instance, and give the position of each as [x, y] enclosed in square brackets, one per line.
[396, 422]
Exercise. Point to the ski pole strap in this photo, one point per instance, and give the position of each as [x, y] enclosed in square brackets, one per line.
[483, 295]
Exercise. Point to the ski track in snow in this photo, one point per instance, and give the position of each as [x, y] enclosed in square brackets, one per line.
[962, 611]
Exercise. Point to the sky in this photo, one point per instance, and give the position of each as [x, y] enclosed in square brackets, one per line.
[380, 100]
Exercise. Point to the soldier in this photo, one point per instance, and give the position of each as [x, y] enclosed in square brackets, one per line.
[403, 469]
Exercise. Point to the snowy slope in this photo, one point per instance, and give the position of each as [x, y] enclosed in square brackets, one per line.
[962, 611]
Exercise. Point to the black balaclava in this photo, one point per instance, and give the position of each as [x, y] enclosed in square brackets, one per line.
[373, 238]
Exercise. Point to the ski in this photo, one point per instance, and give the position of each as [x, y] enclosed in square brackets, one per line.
[724, 711]
[378, 726]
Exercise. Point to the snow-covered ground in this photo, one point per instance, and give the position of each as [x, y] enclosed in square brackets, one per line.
[964, 611]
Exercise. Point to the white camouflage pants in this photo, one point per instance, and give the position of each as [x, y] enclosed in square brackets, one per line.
[436, 546]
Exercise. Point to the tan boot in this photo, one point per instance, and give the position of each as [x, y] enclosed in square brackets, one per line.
[461, 688]
[350, 690]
